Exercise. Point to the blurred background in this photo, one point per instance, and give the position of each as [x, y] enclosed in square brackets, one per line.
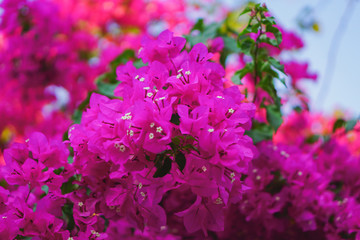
[331, 32]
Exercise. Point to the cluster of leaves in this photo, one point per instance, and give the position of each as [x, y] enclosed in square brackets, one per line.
[263, 68]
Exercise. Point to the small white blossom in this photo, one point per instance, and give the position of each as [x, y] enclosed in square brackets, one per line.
[187, 72]
[210, 130]
[231, 110]
[151, 135]
[159, 129]
[219, 201]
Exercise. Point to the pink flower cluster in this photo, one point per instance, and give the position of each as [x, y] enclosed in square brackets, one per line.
[41, 48]
[172, 132]
[64, 44]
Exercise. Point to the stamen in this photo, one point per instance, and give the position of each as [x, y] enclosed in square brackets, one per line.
[219, 201]
[151, 135]
[159, 129]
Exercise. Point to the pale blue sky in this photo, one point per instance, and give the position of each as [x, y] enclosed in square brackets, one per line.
[344, 90]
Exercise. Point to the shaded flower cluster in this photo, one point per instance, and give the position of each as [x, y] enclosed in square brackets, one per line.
[171, 130]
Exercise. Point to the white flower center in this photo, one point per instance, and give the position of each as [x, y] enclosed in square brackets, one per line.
[159, 129]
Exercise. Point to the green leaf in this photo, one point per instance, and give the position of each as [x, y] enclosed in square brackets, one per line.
[265, 39]
[274, 116]
[106, 89]
[312, 139]
[246, 10]
[339, 123]
[246, 45]
[67, 212]
[191, 147]
[78, 112]
[297, 109]
[139, 63]
[45, 188]
[164, 167]
[276, 184]
[350, 124]
[236, 79]
[270, 28]
[176, 140]
[175, 119]
[248, 68]
[123, 58]
[199, 25]
[260, 132]
[276, 64]
[59, 170]
[68, 187]
[180, 160]
[230, 44]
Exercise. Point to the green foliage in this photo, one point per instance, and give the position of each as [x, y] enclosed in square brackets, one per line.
[273, 115]
[201, 32]
[67, 211]
[68, 187]
[348, 125]
[276, 184]
[180, 160]
[163, 165]
[263, 68]
[260, 132]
